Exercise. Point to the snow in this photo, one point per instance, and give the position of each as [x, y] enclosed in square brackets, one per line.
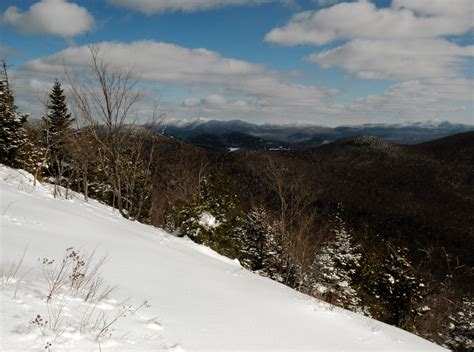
[172, 294]
[187, 122]
[208, 220]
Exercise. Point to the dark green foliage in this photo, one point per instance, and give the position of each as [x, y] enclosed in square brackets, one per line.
[255, 233]
[213, 219]
[59, 119]
[460, 328]
[262, 246]
[32, 156]
[335, 270]
[276, 263]
[58, 123]
[13, 138]
[395, 283]
[57, 138]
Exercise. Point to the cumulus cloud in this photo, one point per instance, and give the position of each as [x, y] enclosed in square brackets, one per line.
[451, 8]
[213, 86]
[215, 104]
[191, 102]
[419, 100]
[363, 20]
[230, 85]
[214, 99]
[151, 7]
[403, 42]
[397, 60]
[52, 17]
[157, 61]
[414, 100]
[323, 3]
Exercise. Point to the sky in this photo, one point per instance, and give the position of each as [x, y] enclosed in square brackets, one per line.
[325, 62]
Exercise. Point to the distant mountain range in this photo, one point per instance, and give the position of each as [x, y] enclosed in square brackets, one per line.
[217, 134]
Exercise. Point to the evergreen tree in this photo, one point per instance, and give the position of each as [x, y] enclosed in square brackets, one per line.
[255, 233]
[58, 122]
[333, 270]
[395, 282]
[460, 329]
[276, 265]
[56, 137]
[13, 138]
[213, 219]
[262, 248]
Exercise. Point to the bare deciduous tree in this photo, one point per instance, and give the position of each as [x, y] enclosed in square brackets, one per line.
[105, 100]
[295, 218]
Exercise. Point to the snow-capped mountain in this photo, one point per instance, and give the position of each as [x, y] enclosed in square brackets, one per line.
[242, 134]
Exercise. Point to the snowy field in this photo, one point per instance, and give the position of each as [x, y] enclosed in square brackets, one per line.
[152, 292]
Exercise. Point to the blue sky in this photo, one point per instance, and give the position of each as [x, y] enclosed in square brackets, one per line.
[320, 61]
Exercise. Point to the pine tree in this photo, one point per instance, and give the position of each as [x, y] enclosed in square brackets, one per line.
[395, 283]
[264, 248]
[58, 121]
[56, 134]
[334, 267]
[212, 219]
[255, 232]
[460, 329]
[13, 138]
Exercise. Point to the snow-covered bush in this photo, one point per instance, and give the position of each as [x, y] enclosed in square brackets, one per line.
[212, 219]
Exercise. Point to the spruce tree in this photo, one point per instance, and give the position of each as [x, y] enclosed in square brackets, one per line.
[13, 137]
[333, 269]
[398, 286]
[58, 121]
[460, 328]
[254, 236]
[212, 219]
[56, 134]
[262, 245]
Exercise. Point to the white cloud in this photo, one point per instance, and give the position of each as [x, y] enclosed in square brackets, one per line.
[450, 8]
[403, 42]
[323, 3]
[157, 61]
[52, 17]
[395, 59]
[214, 100]
[191, 102]
[214, 86]
[363, 20]
[215, 104]
[419, 100]
[231, 85]
[151, 7]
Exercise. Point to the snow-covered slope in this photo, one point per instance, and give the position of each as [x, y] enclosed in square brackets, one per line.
[196, 299]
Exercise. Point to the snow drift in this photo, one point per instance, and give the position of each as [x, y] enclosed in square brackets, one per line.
[172, 294]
